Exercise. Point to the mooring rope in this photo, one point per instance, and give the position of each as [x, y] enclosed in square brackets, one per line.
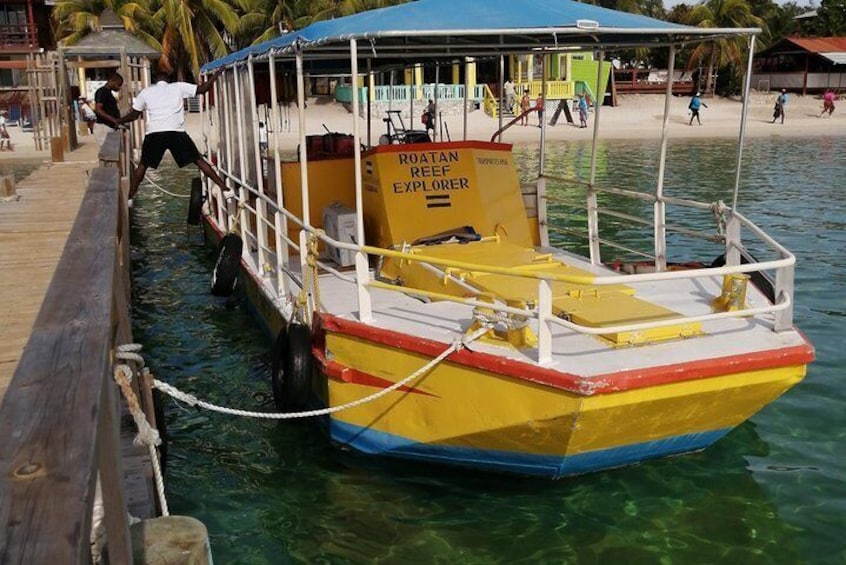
[492, 317]
[157, 185]
[147, 435]
[192, 400]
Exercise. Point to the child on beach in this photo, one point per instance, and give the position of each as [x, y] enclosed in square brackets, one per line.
[583, 110]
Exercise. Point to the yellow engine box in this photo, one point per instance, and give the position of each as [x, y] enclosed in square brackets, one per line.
[413, 191]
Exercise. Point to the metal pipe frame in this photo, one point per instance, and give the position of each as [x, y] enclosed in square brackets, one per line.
[303, 152]
[592, 203]
[227, 139]
[242, 158]
[659, 209]
[261, 209]
[280, 222]
[362, 268]
[743, 117]
[501, 87]
[466, 97]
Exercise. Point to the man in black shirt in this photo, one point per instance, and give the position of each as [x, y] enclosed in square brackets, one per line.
[106, 108]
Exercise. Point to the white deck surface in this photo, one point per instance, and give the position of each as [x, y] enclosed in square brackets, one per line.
[575, 353]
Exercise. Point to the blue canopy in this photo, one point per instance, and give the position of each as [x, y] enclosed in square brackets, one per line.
[474, 27]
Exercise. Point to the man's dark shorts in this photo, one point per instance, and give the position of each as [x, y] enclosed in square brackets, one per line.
[179, 143]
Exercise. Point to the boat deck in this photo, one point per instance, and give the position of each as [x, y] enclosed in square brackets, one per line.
[573, 353]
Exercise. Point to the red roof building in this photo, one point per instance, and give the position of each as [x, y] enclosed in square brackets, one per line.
[802, 64]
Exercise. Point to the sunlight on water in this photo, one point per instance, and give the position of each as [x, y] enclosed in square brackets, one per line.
[771, 492]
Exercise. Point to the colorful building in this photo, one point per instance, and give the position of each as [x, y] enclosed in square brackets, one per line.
[24, 29]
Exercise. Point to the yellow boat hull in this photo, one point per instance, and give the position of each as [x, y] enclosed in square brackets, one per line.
[484, 411]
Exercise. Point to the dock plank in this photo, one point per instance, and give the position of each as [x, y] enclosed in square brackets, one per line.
[33, 233]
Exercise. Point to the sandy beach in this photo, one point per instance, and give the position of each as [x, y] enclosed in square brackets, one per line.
[636, 117]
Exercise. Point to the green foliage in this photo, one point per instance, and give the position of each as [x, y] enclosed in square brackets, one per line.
[74, 19]
[193, 32]
[265, 19]
[725, 53]
[831, 19]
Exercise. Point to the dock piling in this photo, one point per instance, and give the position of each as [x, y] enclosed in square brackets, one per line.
[7, 188]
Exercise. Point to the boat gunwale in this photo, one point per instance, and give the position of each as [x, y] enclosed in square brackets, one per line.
[584, 385]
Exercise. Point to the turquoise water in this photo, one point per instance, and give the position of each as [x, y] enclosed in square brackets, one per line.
[771, 492]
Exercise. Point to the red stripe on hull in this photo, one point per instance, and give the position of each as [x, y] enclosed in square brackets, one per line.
[587, 386]
[335, 370]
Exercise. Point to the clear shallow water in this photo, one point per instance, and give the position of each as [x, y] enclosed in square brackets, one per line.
[772, 491]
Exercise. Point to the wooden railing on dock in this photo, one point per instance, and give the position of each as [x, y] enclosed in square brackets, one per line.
[59, 420]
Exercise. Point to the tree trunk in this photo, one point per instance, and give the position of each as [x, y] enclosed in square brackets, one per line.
[710, 85]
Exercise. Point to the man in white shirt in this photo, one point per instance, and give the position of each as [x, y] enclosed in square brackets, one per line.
[166, 127]
[510, 95]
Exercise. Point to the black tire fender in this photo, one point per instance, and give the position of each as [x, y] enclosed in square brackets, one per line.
[228, 261]
[195, 203]
[291, 368]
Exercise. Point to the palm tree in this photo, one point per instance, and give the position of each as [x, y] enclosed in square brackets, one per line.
[719, 53]
[192, 32]
[74, 19]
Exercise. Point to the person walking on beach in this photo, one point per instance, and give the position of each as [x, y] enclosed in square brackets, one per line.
[583, 110]
[429, 118]
[166, 127]
[525, 104]
[780, 103]
[106, 108]
[695, 104]
[510, 95]
[828, 103]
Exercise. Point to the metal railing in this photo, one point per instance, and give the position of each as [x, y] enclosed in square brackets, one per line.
[405, 92]
[542, 312]
[274, 261]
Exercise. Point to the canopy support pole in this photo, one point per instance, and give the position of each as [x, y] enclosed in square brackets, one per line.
[436, 117]
[243, 197]
[466, 96]
[743, 116]
[303, 150]
[362, 269]
[543, 232]
[659, 207]
[501, 87]
[412, 92]
[280, 221]
[542, 118]
[227, 139]
[592, 205]
[261, 207]
[369, 98]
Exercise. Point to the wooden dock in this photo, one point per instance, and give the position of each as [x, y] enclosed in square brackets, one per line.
[64, 308]
[33, 233]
